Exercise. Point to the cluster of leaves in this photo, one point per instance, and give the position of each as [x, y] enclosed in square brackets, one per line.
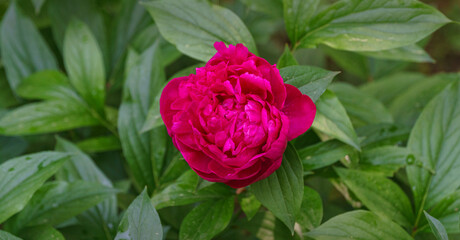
[84, 79]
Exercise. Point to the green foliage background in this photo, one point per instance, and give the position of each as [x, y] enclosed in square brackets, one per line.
[84, 153]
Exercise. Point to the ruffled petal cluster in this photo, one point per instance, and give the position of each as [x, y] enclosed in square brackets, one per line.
[233, 118]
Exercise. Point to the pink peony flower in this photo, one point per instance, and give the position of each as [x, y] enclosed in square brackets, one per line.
[232, 120]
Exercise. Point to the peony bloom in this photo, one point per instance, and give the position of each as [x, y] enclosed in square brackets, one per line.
[233, 118]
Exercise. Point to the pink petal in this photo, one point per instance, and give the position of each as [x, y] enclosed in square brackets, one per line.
[300, 110]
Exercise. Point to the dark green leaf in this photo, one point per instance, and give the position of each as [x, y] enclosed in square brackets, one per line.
[194, 26]
[265, 225]
[84, 64]
[100, 144]
[38, 4]
[7, 97]
[351, 62]
[311, 81]
[435, 139]
[362, 108]
[101, 218]
[297, 15]
[249, 204]
[311, 211]
[144, 81]
[47, 85]
[282, 191]
[7, 236]
[411, 53]
[287, 59]
[436, 227]
[323, 154]
[332, 120]
[23, 49]
[140, 221]
[382, 134]
[379, 194]
[11, 147]
[358, 225]
[273, 8]
[45, 117]
[390, 87]
[207, 220]
[42, 232]
[22, 176]
[357, 25]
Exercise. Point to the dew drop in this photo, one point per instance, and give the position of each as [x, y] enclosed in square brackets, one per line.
[410, 159]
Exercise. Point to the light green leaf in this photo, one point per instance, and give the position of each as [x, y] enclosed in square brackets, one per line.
[8, 236]
[311, 211]
[381, 195]
[194, 26]
[286, 59]
[24, 51]
[362, 108]
[388, 88]
[387, 155]
[46, 117]
[84, 64]
[357, 25]
[282, 191]
[140, 221]
[332, 120]
[145, 79]
[47, 85]
[411, 53]
[436, 227]
[381, 134]
[406, 107]
[249, 204]
[207, 220]
[323, 154]
[154, 119]
[42, 232]
[311, 81]
[297, 16]
[435, 139]
[100, 144]
[358, 225]
[101, 218]
[22, 176]
[447, 211]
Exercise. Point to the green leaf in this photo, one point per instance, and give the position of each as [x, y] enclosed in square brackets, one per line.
[100, 144]
[7, 97]
[311, 211]
[297, 15]
[194, 26]
[22, 176]
[323, 154]
[357, 25]
[362, 108]
[358, 225]
[8, 236]
[388, 88]
[154, 119]
[42, 232]
[84, 64]
[406, 107]
[436, 227]
[207, 220]
[265, 225]
[286, 59]
[411, 53]
[184, 191]
[381, 134]
[101, 218]
[144, 81]
[24, 51]
[311, 81]
[38, 4]
[282, 191]
[45, 117]
[447, 212]
[273, 8]
[379, 194]
[140, 221]
[332, 120]
[11, 147]
[350, 62]
[435, 139]
[56, 202]
[47, 85]
[249, 204]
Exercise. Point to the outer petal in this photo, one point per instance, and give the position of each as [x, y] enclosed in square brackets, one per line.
[300, 110]
[168, 96]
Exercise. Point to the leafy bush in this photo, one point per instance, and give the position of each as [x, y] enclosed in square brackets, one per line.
[85, 154]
